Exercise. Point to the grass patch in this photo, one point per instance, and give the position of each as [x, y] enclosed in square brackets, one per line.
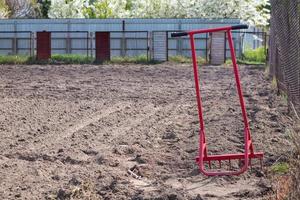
[55, 59]
[184, 59]
[228, 62]
[15, 59]
[254, 56]
[280, 168]
[70, 59]
[82, 59]
[141, 59]
[244, 62]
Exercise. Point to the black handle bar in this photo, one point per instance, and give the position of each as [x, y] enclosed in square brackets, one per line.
[235, 27]
[241, 26]
[179, 34]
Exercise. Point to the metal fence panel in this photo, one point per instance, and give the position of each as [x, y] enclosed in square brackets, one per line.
[129, 37]
[285, 48]
[12, 43]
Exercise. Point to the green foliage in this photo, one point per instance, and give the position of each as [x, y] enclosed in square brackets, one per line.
[255, 55]
[55, 59]
[228, 62]
[44, 7]
[184, 59]
[70, 59]
[128, 5]
[4, 10]
[141, 59]
[14, 59]
[280, 168]
[244, 62]
[99, 10]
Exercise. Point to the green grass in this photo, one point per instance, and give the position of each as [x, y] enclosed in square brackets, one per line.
[141, 59]
[184, 59]
[15, 59]
[82, 59]
[70, 59]
[244, 62]
[280, 168]
[55, 59]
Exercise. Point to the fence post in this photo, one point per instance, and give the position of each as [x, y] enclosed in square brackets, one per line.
[123, 40]
[225, 46]
[265, 46]
[68, 40]
[206, 47]
[150, 45]
[240, 45]
[91, 43]
[14, 40]
[179, 41]
[32, 38]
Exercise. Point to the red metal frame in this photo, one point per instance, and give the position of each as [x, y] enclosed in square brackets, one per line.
[249, 149]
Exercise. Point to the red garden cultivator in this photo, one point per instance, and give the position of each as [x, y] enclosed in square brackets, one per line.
[203, 157]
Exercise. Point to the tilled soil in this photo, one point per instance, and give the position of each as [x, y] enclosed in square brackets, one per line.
[74, 132]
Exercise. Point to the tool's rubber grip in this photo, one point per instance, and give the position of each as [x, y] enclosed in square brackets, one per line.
[242, 26]
[180, 34]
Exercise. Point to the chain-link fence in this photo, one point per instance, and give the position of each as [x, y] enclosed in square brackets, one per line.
[284, 49]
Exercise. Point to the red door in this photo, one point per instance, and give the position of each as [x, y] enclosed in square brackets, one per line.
[102, 46]
[43, 45]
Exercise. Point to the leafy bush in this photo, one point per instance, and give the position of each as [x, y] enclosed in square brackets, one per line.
[255, 55]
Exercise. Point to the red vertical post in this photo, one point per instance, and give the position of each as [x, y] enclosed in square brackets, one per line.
[43, 45]
[102, 46]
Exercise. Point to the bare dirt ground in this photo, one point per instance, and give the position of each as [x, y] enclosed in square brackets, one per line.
[72, 132]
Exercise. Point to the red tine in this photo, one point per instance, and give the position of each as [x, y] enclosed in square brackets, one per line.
[220, 164]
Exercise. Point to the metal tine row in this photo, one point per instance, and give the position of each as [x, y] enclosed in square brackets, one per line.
[230, 166]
